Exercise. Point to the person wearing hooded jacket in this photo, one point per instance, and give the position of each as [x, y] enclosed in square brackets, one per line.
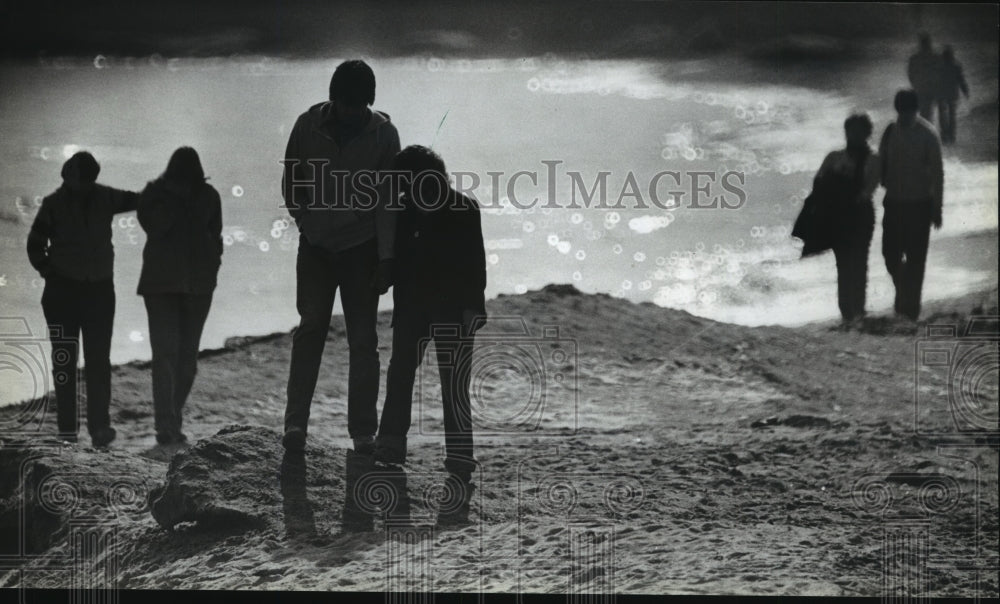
[70, 247]
[182, 217]
[438, 295]
[332, 188]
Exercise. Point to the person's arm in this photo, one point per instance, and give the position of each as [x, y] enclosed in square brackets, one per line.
[292, 173]
[961, 81]
[936, 169]
[123, 201]
[385, 218]
[215, 218]
[824, 169]
[470, 257]
[883, 153]
[873, 176]
[38, 240]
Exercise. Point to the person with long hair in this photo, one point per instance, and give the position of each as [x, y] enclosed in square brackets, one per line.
[70, 247]
[854, 172]
[182, 216]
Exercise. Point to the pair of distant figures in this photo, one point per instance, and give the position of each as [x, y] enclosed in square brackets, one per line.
[420, 236]
[937, 79]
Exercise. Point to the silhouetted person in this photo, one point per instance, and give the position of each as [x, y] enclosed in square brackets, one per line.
[438, 294]
[182, 217]
[345, 243]
[70, 246]
[913, 177]
[924, 69]
[952, 82]
[860, 171]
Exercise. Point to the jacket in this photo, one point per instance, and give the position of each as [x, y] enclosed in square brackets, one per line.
[440, 260]
[183, 238]
[71, 234]
[912, 170]
[321, 204]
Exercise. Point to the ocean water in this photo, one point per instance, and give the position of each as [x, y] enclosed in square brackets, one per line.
[562, 124]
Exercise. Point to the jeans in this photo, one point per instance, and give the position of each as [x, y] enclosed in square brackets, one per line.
[453, 343]
[946, 119]
[72, 307]
[319, 272]
[175, 325]
[906, 232]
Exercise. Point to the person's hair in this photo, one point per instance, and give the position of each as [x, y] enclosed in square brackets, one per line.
[185, 168]
[948, 52]
[353, 83]
[861, 120]
[906, 100]
[82, 166]
[417, 159]
[925, 39]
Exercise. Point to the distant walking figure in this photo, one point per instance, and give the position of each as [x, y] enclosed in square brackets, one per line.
[952, 82]
[346, 242]
[438, 294]
[70, 246]
[860, 171]
[182, 217]
[924, 69]
[913, 177]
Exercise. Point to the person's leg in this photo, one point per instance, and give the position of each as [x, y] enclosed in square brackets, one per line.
[194, 311]
[355, 268]
[862, 246]
[918, 231]
[163, 311]
[315, 289]
[892, 249]
[454, 357]
[97, 325]
[842, 254]
[410, 333]
[926, 106]
[60, 304]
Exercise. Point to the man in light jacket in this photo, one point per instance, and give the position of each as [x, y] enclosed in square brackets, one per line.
[332, 189]
[913, 177]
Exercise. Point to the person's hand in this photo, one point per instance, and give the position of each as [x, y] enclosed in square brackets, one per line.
[382, 279]
[936, 220]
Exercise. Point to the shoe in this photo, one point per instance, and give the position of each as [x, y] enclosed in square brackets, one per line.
[164, 438]
[364, 445]
[455, 505]
[390, 450]
[69, 437]
[294, 439]
[103, 437]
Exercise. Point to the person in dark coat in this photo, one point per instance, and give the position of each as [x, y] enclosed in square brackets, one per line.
[952, 82]
[859, 169]
[913, 177]
[70, 246]
[440, 276]
[182, 217]
[345, 245]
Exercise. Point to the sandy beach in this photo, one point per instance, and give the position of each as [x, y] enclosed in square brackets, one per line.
[703, 458]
